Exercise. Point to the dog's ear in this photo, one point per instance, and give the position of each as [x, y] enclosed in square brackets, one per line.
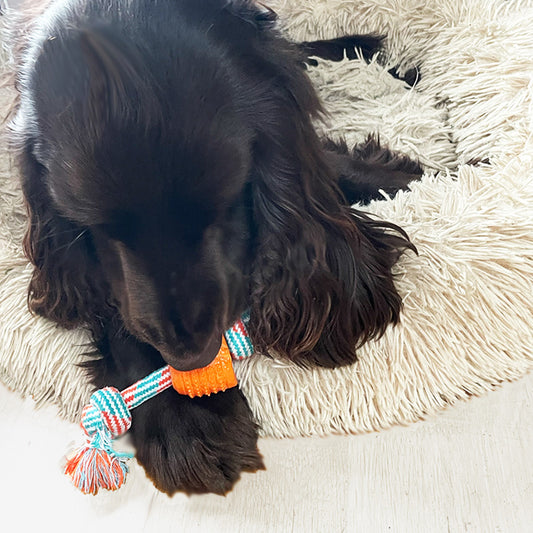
[322, 282]
[67, 285]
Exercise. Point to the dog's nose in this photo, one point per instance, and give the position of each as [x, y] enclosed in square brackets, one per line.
[190, 359]
[180, 349]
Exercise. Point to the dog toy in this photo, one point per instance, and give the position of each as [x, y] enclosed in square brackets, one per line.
[217, 376]
[96, 465]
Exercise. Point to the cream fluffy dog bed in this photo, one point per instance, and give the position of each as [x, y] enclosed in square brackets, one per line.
[468, 313]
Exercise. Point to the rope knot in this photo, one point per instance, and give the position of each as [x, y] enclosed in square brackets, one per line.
[106, 409]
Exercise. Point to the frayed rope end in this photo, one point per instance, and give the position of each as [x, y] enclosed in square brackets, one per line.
[91, 468]
[96, 465]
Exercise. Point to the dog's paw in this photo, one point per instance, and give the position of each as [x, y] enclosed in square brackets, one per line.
[350, 46]
[373, 153]
[196, 445]
[369, 168]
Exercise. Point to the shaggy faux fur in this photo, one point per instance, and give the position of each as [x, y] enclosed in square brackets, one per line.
[468, 313]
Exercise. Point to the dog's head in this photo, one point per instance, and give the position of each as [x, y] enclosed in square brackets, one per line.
[153, 178]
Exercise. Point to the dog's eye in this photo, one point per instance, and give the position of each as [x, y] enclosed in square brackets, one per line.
[191, 220]
[121, 227]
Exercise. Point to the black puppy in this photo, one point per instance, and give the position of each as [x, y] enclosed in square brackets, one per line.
[173, 179]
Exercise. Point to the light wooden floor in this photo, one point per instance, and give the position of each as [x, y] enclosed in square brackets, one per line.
[469, 469]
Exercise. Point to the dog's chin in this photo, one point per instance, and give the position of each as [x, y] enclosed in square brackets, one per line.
[186, 361]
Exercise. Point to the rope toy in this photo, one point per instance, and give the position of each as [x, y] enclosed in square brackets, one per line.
[96, 465]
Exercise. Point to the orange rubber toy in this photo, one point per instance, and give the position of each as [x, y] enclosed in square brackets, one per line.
[215, 377]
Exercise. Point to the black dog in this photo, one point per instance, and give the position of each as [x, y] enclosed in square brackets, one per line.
[173, 179]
